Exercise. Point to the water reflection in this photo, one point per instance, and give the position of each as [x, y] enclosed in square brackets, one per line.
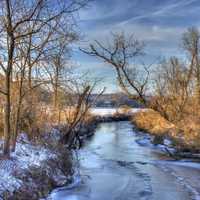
[114, 167]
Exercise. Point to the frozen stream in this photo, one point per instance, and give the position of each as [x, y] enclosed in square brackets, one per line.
[113, 166]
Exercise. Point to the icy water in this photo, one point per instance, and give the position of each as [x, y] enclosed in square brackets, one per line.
[113, 166]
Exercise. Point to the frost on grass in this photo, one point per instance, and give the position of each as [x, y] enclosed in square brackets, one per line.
[26, 155]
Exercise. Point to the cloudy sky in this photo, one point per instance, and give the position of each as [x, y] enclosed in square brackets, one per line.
[159, 23]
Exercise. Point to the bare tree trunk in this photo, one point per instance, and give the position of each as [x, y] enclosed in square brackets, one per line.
[7, 128]
[7, 114]
[18, 113]
[56, 85]
[198, 82]
[55, 95]
[30, 76]
[16, 126]
[59, 116]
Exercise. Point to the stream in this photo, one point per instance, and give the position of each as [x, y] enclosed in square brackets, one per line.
[114, 166]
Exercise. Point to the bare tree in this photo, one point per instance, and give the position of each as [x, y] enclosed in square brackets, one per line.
[57, 65]
[78, 112]
[20, 19]
[122, 54]
[172, 89]
[191, 43]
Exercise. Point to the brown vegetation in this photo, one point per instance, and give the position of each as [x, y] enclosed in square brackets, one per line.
[184, 135]
[151, 121]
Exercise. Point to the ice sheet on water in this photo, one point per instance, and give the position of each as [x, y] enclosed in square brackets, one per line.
[186, 173]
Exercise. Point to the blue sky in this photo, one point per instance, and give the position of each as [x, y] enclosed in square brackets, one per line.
[159, 23]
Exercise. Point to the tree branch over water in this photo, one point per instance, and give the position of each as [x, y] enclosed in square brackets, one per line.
[122, 54]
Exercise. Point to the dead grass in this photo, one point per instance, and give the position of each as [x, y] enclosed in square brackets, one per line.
[191, 131]
[151, 121]
[185, 134]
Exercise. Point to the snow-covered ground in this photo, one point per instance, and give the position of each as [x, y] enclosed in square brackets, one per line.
[146, 140]
[25, 156]
[111, 111]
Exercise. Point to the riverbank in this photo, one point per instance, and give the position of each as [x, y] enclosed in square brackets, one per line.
[37, 167]
[140, 172]
[163, 132]
[107, 150]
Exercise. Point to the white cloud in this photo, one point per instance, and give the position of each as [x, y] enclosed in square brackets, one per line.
[161, 37]
[169, 8]
[99, 11]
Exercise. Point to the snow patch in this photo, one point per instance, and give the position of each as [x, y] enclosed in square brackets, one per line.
[112, 111]
[25, 155]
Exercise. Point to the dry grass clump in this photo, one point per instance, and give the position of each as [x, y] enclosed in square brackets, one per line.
[151, 121]
[191, 131]
[185, 134]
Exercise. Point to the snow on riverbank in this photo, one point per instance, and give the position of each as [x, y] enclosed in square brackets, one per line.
[111, 111]
[26, 155]
[145, 139]
[186, 171]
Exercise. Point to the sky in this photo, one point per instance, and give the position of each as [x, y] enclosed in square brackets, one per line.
[159, 23]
